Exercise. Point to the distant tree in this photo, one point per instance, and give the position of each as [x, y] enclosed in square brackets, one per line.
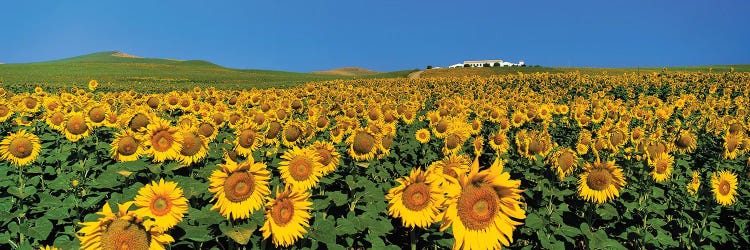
[429, 66]
[486, 65]
[467, 65]
[497, 64]
[523, 65]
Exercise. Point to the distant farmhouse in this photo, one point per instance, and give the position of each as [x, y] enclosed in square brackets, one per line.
[487, 63]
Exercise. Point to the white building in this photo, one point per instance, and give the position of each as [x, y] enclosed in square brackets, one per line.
[482, 63]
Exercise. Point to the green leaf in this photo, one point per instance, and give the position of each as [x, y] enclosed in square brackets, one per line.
[533, 221]
[196, 233]
[569, 231]
[607, 212]
[323, 230]
[40, 230]
[345, 226]
[22, 194]
[338, 198]
[239, 232]
[656, 223]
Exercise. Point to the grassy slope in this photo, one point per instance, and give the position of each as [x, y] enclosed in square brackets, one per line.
[347, 71]
[148, 74]
[513, 70]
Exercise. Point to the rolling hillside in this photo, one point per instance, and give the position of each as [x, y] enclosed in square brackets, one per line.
[132, 72]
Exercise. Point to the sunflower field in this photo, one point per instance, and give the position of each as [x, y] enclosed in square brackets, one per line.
[530, 161]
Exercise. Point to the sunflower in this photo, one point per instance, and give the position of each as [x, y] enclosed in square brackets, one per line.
[329, 157]
[449, 168]
[518, 119]
[293, 134]
[685, 142]
[239, 188]
[96, 114]
[121, 230]
[5, 112]
[499, 142]
[363, 144]
[662, 164]
[126, 146]
[163, 203]
[93, 84]
[20, 148]
[416, 200]
[55, 120]
[272, 133]
[208, 129]
[564, 161]
[287, 215]
[694, 184]
[76, 126]
[732, 145]
[724, 186]
[162, 141]
[301, 168]
[601, 182]
[194, 147]
[422, 135]
[486, 210]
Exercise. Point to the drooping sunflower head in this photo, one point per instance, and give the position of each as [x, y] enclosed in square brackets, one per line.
[194, 147]
[329, 157]
[20, 148]
[363, 144]
[121, 230]
[694, 184]
[685, 142]
[601, 182]
[564, 162]
[163, 203]
[724, 187]
[732, 145]
[301, 168]
[126, 146]
[416, 200]
[287, 216]
[662, 167]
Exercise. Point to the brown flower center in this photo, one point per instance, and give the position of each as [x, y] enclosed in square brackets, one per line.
[273, 130]
[452, 141]
[322, 122]
[387, 141]
[4, 110]
[239, 186]
[477, 207]
[30, 102]
[442, 126]
[292, 133]
[20, 147]
[138, 121]
[617, 137]
[363, 143]
[300, 168]
[283, 211]
[661, 167]
[97, 114]
[191, 144]
[416, 196]
[122, 234]
[127, 146]
[724, 187]
[566, 161]
[57, 118]
[684, 141]
[247, 138]
[153, 102]
[162, 140]
[206, 129]
[76, 125]
[160, 205]
[325, 156]
[599, 179]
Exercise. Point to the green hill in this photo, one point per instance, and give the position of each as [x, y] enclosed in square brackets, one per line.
[148, 74]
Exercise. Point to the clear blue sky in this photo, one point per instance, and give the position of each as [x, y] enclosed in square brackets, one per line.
[383, 35]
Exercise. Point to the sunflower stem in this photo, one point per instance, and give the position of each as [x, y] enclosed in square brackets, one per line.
[413, 238]
[263, 243]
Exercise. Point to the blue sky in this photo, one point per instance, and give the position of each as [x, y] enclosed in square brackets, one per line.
[383, 35]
